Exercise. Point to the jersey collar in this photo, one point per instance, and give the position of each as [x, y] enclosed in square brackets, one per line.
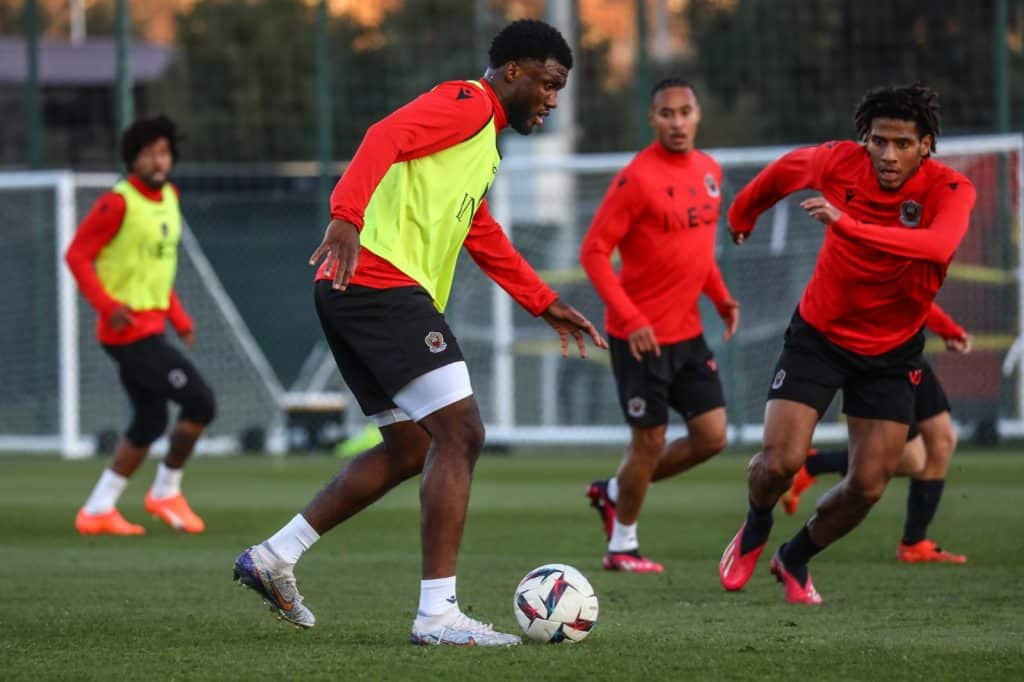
[500, 120]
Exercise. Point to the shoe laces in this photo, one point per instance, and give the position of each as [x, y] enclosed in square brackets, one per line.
[464, 622]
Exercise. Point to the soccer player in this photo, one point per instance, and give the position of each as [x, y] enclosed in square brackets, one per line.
[411, 197]
[894, 218]
[124, 258]
[926, 455]
[661, 213]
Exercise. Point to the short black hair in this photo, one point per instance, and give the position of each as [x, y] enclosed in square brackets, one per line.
[915, 102]
[144, 132]
[671, 82]
[529, 39]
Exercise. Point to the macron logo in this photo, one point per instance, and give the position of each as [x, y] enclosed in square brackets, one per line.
[464, 93]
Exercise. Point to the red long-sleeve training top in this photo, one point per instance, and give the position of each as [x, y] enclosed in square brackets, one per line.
[94, 232]
[883, 261]
[943, 325]
[449, 114]
[661, 212]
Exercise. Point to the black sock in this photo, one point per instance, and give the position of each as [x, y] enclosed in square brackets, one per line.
[827, 462]
[757, 528]
[797, 552]
[922, 501]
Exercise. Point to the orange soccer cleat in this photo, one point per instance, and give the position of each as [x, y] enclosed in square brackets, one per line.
[795, 592]
[107, 523]
[927, 551]
[801, 482]
[630, 562]
[175, 512]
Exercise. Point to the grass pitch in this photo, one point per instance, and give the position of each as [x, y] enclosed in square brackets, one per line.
[163, 606]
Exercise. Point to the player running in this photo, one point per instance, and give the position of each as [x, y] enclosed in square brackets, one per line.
[894, 218]
[412, 196]
[661, 213]
[124, 258]
[926, 455]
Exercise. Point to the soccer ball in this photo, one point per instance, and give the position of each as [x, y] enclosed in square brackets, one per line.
[555, 603]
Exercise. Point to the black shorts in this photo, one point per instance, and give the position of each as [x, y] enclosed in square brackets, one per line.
[930, 401]
[383, 338]
[152, 372]
[684, 378]
[811, 369]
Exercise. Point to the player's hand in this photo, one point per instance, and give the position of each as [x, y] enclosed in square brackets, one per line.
[730, 313]
[188, 337]
[738, 237]
[121, 318]
[568, 321]
[959, 344]
[341, 246]
[643, 341]
[821, 210]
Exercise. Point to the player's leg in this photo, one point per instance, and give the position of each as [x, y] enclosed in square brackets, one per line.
[878, 399]
[169, 375]
[925, 493]
[642, 387]
[696, 393]
[632, 481]
[100, 515]
[805, 380]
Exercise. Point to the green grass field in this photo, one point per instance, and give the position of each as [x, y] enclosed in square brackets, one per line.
[164, 607]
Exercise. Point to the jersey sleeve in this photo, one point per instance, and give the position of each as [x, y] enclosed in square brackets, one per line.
[491, 249]
[936, 241]
[611, 223]
[99, 226]
[436, 120]
[797, 170]
[715, 289]
[180, 319]
[943, 325]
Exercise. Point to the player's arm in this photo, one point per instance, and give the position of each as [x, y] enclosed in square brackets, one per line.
[955, 337]
[491, 249]
[792, 172]
[728, 308]
[617, 211]
[180, 320]
[433, 121]
[935, 242]
[95, 231]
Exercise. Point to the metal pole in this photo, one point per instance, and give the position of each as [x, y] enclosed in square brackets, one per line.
[1001, 66]
[643, 76]
[33, 108]
[124, 105]
[324, 114]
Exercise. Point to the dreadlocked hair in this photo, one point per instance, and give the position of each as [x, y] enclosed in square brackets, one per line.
[915, 102]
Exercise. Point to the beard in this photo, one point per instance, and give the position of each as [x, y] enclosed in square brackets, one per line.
[519, 118]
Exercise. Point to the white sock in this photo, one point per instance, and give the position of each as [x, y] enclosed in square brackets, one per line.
[106, 493]
[293, 539]
[437, 596]
[167, 482]
[623, 538]
[613, 489]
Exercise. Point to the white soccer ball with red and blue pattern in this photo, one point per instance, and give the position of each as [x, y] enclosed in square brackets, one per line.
[555, 603]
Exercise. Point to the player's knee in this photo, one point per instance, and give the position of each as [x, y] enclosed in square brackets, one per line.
[201, 409]
[460, 430]
[148, 424]
[776, 462]
[866, 491]
[709, 445]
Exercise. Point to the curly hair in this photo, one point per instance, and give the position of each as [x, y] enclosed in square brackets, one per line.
[671, 82]
[144, 132]
[529, 39]
[915, 102]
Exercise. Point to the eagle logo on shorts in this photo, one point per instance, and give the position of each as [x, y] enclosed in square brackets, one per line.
[780, 377]
[915, 377]
[177, 378]
[712, 186]
[636, 407]
[712, 365]
[435, 342]
[910, 213]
